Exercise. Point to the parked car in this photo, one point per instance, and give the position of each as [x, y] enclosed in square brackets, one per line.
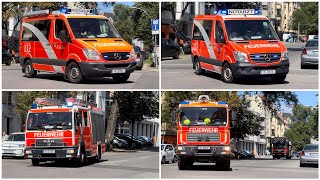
[131, 142]
[296, 154]
[309, 54]
[148, 140]
[309, 155]
[119, 143]
[316, 37]
[185, 42]
[169, 49]
[245, 154]
[167, 153]
[6, 55]
[140, 57]
[14, 145]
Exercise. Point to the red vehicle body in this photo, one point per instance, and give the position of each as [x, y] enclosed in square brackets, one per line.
[73, 132]
[281, 147]
[203, 133]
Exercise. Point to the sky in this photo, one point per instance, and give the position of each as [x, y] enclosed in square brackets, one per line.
[110, 8]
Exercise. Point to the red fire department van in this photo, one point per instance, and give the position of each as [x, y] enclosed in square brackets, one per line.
[71, 131]
[203, 133]
[281, 147]
[75, 43]
[237, 43]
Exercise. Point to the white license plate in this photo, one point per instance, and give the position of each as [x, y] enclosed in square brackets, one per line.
[115, 71]
[315, 52]
[263, 72]
[203, 147]
[49, 151]
[7, 151]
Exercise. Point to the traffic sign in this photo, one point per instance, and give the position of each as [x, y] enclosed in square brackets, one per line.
[155, 24]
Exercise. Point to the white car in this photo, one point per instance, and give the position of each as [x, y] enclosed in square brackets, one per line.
[167, 153]
[14, 145]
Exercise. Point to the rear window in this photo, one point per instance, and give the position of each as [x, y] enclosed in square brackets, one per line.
[311, 148]
[312, 44]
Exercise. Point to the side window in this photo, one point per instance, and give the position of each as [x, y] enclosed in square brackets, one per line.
[44, 27]
[59, 26]
[207, 25]
[167, 147]
[219, 32]
[85, 117]
[196, 33]
[28, 35]
[170, 148]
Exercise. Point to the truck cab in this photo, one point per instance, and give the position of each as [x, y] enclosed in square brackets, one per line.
[238, 43]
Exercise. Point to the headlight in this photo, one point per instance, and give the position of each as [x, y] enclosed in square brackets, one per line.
[227, 148]
[285, 55]
[91, 54]
[22, 145]
[240, 56]
[70, 151]
[133, 54]
[28, 152]
[180, 148]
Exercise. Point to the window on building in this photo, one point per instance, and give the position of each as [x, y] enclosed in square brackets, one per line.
[9, 98]
[273, 132]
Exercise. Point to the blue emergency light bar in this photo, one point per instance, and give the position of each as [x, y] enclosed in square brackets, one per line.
[222, 103]
[184, 102]
[238, 12]
[76, 11]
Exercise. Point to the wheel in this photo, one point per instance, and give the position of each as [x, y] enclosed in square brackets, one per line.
[35, 162]
[278, 157]
[115, 146]
[82, 160]
[197, 67]
[226, 74]
[174, 159]
[303, 66]
[302, 165]
[74, 74]
[273, 157]
[29, 71]
[8, 63]
[163, 161]
[121, 78]
[181, 164]
[98, 157]
[223, 164]
[288, 157]
[279, 79]
[176, 56]
[139, 67]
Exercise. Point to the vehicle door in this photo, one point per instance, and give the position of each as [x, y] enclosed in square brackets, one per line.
[202, 40]
[219, 41]
[170, 152]
[173, 47]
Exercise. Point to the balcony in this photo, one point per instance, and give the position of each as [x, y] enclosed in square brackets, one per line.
[279, 6]
[262, 124]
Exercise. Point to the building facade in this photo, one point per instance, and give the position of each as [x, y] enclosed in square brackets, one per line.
[11, 120]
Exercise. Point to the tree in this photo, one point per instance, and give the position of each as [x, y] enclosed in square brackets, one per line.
[122, 21]
[307, 16]
[112, 121]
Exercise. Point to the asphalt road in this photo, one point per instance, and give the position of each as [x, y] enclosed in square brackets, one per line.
[141, 164]
[13, 78]
[255, 168]
[178, 74]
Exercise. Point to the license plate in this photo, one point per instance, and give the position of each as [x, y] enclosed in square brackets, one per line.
[315, 52]
[203, 147]
[49, 151]
[7, 151]
[115, 71]
[263, 72]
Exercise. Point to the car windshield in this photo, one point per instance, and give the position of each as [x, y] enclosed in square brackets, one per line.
[311, 148]
[15, 137]
[92, 28]
[279, 145]
[312, 44]
[49, 120]
[250, 30]
[203, 116]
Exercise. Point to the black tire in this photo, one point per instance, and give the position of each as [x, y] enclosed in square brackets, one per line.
[98, 157]
[288, 157]
[182, 164]
[279, 79]
[121, 78]
[197, 67]
[273, 157]
[278, 157]
[227, 74]
[139, 67]
[35, 162]
[8, 63]
[303, 66]
[176, 56]
[28, 70]
[163, 160]
[223, 165]
[73, 73]
[302, 165]
[82, 160]
[115, 146]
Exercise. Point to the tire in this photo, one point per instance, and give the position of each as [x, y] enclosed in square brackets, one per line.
[98, 157]
[288, 157]
[278, 157]
[121, 78]
[8, 63]
[303, 66]
[182, 164]
[274, 157]
[28, 70]
[176, 56]
[302, 165]
[279, 79]
[197, 67]
[227, 74]
[223, 165]
[74, 74]
[82, 160]
[35, 162]
[163, 160]
[139, 67]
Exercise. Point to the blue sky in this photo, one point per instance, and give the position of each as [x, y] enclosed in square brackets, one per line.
[110, 8]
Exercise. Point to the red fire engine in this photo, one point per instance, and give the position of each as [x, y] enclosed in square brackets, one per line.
[70, 131]
[203, 133]
[281, 147]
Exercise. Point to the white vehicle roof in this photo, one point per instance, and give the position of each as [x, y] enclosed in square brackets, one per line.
[245, 17]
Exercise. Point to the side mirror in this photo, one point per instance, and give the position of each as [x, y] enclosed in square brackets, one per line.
[63, 36]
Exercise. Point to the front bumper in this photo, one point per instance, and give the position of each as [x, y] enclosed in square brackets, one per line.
[197, 153]
[309, 160]
[13, 152]
[51, 153]
[106, 69]
[247, 69]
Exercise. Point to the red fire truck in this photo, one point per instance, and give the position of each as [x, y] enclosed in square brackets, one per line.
[281, 147]
[72, 130]
[203, 133]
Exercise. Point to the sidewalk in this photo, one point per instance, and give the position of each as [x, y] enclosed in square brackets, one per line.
[264, 157]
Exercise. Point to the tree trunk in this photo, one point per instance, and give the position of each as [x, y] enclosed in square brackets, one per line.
[132, 125]
[181, 17]
[111, 122]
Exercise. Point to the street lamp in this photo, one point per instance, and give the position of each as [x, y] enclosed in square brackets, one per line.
[134, 7]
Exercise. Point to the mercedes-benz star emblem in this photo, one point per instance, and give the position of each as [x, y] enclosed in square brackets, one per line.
[117, 56]
[267, 57]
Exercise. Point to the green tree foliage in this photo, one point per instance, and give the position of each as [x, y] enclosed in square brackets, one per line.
[123, 22]
[307, 15]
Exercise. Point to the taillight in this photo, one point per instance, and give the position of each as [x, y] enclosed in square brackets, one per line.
[302, 153]
[304, 51]
[138, 55]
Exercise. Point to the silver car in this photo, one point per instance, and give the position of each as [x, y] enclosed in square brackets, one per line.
[167, 153]
[14, 145]
[309, 155]
[309, 54]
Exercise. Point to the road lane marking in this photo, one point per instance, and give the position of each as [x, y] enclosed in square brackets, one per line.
[146, 157]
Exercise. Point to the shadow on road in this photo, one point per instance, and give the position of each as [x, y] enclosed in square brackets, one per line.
[205, 168]
[169, 58]
[294, 49]
[67, 164]
[58, 77]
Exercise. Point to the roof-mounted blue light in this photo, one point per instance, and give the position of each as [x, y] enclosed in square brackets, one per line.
[224, 12]
[69, 104]
[215, 12]
[222, 103]
[77, 11]
[184, 102]
[238, 12]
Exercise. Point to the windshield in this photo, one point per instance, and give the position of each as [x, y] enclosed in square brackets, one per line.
[15, 137]
[250, 30]
[311, 148]
[279, 145]
[92, 28]
[312, 44]
[203, 116]
[49, 120]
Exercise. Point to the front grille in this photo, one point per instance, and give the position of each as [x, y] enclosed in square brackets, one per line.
[116, 56]
[261, 58]
[208, 137]
[204, 151]
[49, 142]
